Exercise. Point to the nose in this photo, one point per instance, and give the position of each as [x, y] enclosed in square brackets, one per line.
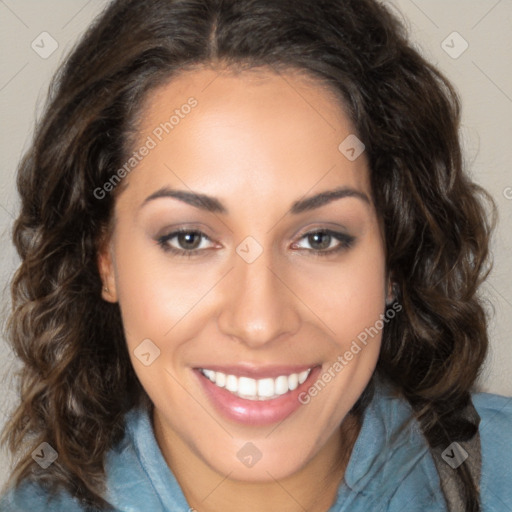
[258, 305]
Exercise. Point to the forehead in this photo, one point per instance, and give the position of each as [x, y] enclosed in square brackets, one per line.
[251, 130]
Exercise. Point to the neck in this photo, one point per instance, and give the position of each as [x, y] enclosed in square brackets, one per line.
[314, 487]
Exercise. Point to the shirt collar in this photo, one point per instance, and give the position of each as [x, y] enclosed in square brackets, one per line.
[140, 431]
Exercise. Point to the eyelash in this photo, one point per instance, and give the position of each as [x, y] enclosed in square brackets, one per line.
[346, 242]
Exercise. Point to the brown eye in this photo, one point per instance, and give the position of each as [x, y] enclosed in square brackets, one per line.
[183, 242]
[320, 240]
[189, 241]
[325, 242]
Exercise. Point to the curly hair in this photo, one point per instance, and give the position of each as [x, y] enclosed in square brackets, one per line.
[77, 382]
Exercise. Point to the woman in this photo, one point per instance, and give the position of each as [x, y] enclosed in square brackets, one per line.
[250, 263]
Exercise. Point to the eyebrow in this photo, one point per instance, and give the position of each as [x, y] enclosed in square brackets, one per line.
[213, 205]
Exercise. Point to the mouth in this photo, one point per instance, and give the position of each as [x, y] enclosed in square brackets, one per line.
[256, 396]
[249, 388]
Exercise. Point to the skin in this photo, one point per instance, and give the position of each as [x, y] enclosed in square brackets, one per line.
[257, 142]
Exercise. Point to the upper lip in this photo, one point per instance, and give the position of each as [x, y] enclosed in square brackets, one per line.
[257, 372]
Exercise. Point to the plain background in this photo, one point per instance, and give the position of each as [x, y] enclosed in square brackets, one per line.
[482, 74]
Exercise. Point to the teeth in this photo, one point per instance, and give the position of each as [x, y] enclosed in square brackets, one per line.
[281, 385]
[210, 374]
[293, 381]
[246, 386]
[303, 376]
[257, 389]
[219, 379]
[265, 388]
[231, 383]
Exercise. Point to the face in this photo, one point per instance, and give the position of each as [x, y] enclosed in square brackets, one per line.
[247, 258]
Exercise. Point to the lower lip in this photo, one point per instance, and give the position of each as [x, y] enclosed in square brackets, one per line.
[255, 412]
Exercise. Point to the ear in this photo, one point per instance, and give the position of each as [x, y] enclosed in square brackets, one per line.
[391, 291]
[106, 267]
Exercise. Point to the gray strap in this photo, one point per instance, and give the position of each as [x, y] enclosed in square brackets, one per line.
[447, 459]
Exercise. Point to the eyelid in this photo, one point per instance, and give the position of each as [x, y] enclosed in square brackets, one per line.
[345, 241]
[163, 241]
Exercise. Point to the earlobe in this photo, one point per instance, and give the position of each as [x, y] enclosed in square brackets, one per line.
[106, 271]
[392, 293]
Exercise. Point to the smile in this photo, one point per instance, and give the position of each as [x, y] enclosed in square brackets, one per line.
[256, 389]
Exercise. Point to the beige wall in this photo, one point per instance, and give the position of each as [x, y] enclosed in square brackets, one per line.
[482, 74]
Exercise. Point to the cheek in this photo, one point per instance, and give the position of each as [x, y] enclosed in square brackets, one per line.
[361, 303]
[349, 295]
[154, 295]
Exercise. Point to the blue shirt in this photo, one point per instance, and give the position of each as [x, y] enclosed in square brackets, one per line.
[385, 472]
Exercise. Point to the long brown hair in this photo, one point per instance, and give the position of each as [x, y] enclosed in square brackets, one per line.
[77, 382]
